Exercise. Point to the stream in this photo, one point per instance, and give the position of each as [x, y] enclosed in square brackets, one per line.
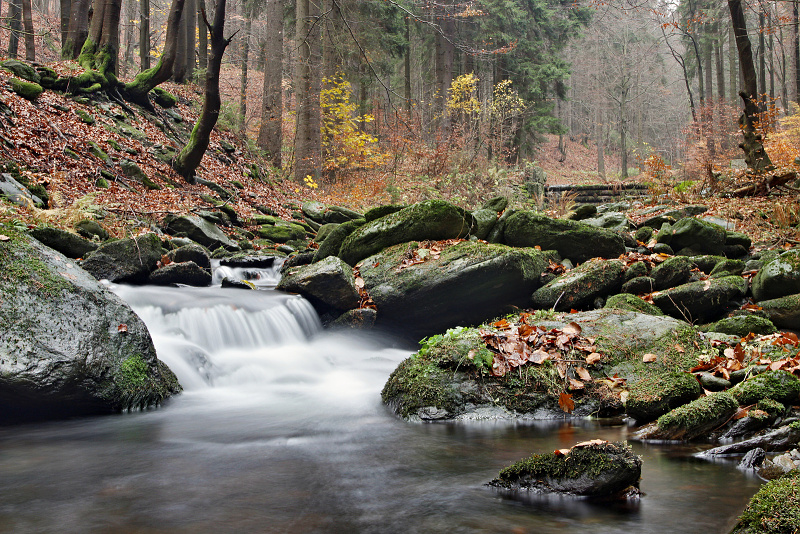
[281, 429]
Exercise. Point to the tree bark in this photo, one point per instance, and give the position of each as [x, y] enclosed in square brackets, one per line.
[270, 134]
[179, 66]
[77, 29]
[144, 35]
[308, 145]
[202, 36]
[66, 8]
[407, 68]
[248, 25]
[137, 90]
[755, 156]
[796, 47]
[445, 53]
[15, 25]
[99, 53]
[188, 159]
[27, 23]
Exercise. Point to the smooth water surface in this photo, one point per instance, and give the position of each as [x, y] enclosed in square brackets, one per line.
[289, 435]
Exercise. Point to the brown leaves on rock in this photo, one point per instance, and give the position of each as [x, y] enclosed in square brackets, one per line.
[426, 251]
[751, 351]
[516, 344]
[366, 301]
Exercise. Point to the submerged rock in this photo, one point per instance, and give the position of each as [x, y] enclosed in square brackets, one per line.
[68, 346]
[592, 469]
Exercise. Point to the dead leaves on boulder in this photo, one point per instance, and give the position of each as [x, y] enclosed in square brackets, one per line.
[754, 350]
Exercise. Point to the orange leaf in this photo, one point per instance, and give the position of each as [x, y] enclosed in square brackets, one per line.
[565, 402]
[583, 374]
[122, 328]
[572, 329]
[575, 384]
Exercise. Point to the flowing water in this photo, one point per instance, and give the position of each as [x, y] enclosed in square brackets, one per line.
[281, 430]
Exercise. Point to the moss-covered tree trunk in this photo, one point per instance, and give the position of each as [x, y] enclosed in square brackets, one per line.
[189, 157]
[137, 90]
[99, 53]
[753, 146]
[77, 28]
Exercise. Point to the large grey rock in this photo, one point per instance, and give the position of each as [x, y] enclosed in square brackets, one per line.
[593, 469]
[329, 282]
[16, 192]
[331, 241]
[612, 220]
[194, 253]
[469, 282]
[672, 272]
[20, 69]
[695, 235]
[779, 277]
[68, 346]
[574, 240]
[485, 220]
[784, 312]
[432, 219]
[200, 231]
[187, 273]
[67, 243]
[580, 286]
[125, 260]
[653, 396]
[700, 300]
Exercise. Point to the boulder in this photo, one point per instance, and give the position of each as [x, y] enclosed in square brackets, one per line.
[741, 325]
[695, 235]
[332, 242]
[259, 260]
[780, 386]
[187, 273]
[611, 220]
[778, 278]
[574, 240]
[194, 253]
[27, 90]
[125, 260]
[635, 270]
[627, 301]
[20, 69]
[693, 420]
[314, 210]
[582, 211]
[339, 214]
[773, 509]
[282, 232]
[200, 231]
[67, 243]
[653, 396]
[381, 211]
[595, 468]
[700, 300]
[68, 346]
[727, 268]
[580, 286]
[466, 283]
[485, 220]
[16, 192]
[358, 319]
[784, 312]
[637, 286]
[672, 272]
[428, 220]
[496, 204]
[327, 284]
[496, 235]
[91, 229]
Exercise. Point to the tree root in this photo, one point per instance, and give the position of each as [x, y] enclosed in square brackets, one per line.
[765, 185]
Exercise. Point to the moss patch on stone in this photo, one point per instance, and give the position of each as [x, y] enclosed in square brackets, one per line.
[778, 385]
[774, 509]
[626, 301]
[696, 418]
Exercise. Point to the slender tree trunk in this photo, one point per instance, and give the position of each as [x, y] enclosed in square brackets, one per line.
[248, 25]
[146, 81]
[15, 25]
[445, 54]
[180, 62]
[191, 30]
[796, 47]
[407, 68]
[762, 70]
[144, 35]
[189, 158]
[66, 8]
[202, 41]
[755, 156]
[270, 134]
[27, 23]
[308, 145]
[720, 70]
[733, 65]
[709, 108]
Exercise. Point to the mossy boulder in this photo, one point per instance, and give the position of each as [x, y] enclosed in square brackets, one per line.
[466, 283]
[691, 236]
[627, 301]
[497, 204]
[653, 396]
[635, 270]
[639, 285]
[592, 469]
[784, 312]
[164, 98]
[428, 220]
[574, 240]
[91, 229]
[694, 420]
[27, 90]
[67, 243]
[282, 232]
[327, 284]
[333, 238]
[357, 319]
[192, 252]
[68, 346]
[727, 267]
[339, 214]
[672, 272]
[779, 386]
[774, 509]
[779, 277]
[612, 220]
[21, 70]
[700, 300]
[485, 220]
[125, 260]
[199, 230]
[579, 287]
[184, 273]
[381, 211]
[741, 325]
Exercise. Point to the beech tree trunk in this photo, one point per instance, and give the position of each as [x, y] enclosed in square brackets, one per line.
[753, 146]
[144, 35]
[99, 53]
[188, 159]
[202, 41]
[77, 29]
[270, 134]
[137, 90]
[15, 25]
[27, 24]
[308, 144]
[248, 25]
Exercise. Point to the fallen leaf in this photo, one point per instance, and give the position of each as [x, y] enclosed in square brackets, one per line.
[590, 443]
[4, 237]
[593, 358]
[122, 328]
[623, 397]
[572, 329]
[565, 402]
[575, 384]
[583, 374]
[649, 358]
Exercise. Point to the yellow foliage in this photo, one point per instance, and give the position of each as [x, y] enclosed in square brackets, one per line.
[462, 94]
[346, 145]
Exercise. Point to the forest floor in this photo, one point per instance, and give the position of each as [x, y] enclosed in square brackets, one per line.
[43, 138]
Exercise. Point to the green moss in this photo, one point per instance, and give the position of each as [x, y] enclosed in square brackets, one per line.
[85, 117]
[780, 386]
[775, 509]
[418, 383]
[28, 90]
[698, 414]
[770, 406]
[656, 395]
[18, 267]
[741, 325]
[627, 301]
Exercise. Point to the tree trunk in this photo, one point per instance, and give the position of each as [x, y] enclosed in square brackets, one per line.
[66, 8]
[77, 29]
[762, 70]
[755, 156]
[248, 25]
[99, 53]
[179, 66]
[308, 145]
[191, 30]
[202, 36]
[188, 159]
[15, 25]
[407, 68]
[27, 23]
[796, 47]
[137, 90]
[445, 53]
[733, 65]
[270, 134]
[144, 35]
